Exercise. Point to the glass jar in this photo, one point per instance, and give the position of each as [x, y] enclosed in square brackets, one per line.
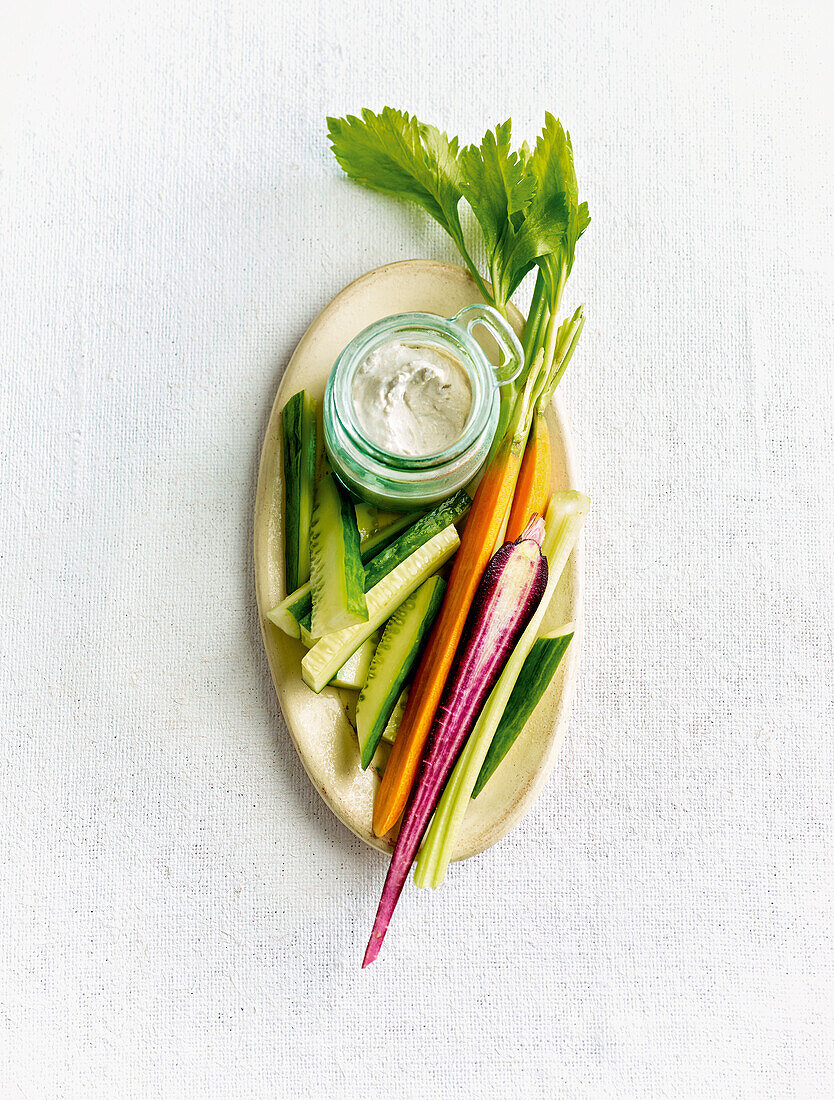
[406, 483]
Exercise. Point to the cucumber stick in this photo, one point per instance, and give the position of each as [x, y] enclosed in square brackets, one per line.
[450, 511]
[378, 540]
[287, 614]
[354, 672]
[322, 662]
[298, 426]
[337, 575]
[536, 673]
[393, 724]
[366, 519]
[295, 609]
[298, 604]
[395, 657]
[419, 533]
[371, 520]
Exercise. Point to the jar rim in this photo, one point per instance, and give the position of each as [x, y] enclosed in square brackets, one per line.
[407, 481]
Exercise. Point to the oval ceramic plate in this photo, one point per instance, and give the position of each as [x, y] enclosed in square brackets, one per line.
[319, 724]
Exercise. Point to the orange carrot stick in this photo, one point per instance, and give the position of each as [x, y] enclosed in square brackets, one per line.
[483, 524]
[533, 488]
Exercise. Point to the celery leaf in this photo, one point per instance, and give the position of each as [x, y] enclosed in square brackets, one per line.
[496, 183]
[393, 153]
[557, 193]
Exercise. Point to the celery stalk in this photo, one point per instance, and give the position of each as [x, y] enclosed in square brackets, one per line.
[565, 516]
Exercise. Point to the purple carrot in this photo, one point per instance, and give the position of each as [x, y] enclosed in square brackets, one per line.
[510, 590]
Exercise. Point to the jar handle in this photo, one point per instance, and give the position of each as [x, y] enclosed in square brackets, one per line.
[501, 332]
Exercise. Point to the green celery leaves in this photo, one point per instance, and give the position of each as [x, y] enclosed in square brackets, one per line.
[498, 187]
[557, 203]
[393, 153]
[526, 204]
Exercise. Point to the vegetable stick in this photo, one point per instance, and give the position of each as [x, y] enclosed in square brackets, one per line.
[337, 575]
[508, 595]
[535, 678]
[533, 487]
[298, 426]
[489, 507]
[565, 518]
[487, 517]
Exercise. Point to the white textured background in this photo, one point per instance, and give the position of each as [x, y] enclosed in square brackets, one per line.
[179, 915]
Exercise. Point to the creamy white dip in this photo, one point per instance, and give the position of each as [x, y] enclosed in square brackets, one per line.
[411, 399]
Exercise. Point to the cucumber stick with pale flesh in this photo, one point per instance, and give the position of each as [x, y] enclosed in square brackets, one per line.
[293, 611]
[373, 544]
[337, 575]
[354, 672]
[298, 604]
[419, 533]
[393, 723]
[298, 427]
[371, 520]
[395, 657]
[366, 515]
[322, 662]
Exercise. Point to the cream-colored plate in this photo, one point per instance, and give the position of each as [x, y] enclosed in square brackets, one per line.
[318, 724]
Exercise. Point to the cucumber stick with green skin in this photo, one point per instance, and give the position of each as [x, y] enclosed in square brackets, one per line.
[337, 575]
[354, 672]
[376, 541]
[323, 661]
[394, 660]
[366, 519]
[298, 604]
[535, 676]
[298, 426]
[419, 533]
[371, 520]
[288, 615]
[415, 536]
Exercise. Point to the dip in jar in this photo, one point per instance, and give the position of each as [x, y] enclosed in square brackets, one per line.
[411, 399]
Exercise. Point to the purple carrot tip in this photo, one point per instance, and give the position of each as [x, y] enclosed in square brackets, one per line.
[372, 950]
[534, 530]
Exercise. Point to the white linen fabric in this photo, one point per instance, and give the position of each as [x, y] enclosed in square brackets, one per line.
[181, 915]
